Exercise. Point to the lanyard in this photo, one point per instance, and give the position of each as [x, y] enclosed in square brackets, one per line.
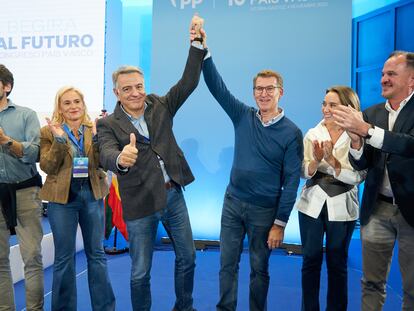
[78, 143]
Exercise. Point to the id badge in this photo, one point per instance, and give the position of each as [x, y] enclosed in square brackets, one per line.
[80, 167]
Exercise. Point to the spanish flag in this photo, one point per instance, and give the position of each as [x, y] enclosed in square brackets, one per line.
[113, 210]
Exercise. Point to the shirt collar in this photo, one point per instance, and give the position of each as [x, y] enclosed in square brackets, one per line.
[80, 129]
[10, 104]
[402, 104]
[273, 120]
[343, 138]
[131, 118]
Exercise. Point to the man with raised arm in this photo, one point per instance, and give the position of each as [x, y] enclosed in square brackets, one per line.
[268, 153]
[138, 144]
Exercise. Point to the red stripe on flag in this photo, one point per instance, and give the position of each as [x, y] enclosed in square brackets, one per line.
[115, 203]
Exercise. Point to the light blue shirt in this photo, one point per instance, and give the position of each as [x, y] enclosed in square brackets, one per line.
[273, 120]
[141, 125]
[22, 125]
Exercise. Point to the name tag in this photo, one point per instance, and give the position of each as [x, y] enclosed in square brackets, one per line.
[80, 167]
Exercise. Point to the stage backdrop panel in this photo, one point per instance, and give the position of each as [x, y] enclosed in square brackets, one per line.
[307, 41]
[48, 44]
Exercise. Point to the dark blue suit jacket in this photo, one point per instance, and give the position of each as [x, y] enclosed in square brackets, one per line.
[397, 154]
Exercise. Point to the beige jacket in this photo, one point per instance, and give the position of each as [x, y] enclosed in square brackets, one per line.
[56, 160]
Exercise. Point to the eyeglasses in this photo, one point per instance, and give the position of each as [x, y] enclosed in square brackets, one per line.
[269, 89]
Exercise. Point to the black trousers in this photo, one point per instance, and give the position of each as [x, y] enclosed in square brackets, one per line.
[338, 236]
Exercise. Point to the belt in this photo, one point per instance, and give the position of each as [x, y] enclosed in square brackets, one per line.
[170, 184]
[329, 184]
[384, 198]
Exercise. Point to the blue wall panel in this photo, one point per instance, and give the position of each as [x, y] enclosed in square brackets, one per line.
[404, 29]
[369, 87]
[374, 40]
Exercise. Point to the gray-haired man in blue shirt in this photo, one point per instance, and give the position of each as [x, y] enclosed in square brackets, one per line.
[19, 200]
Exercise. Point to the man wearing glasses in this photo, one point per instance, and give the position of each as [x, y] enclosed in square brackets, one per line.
[263, 184]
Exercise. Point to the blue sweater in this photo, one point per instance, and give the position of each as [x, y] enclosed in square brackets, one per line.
[267, 160]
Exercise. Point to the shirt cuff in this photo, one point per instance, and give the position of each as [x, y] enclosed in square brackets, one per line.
[279, 223]
[208, 55]
[198, 45]
[306, 170]
[119, 167]
[377, 138]
[30, 152]
[355, 153]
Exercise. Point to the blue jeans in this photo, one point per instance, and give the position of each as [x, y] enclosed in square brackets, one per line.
[338, 237]
[81, 208]
[237, 219]
[142, 233]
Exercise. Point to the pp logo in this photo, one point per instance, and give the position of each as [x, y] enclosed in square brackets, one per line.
[183, 3]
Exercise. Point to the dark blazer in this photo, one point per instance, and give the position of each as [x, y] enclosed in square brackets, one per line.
[142, 188]
[397, 153]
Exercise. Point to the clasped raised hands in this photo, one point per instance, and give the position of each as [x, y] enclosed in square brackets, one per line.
[197, 32]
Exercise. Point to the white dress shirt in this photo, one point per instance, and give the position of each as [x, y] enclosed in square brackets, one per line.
[342, 207]
[377, 140]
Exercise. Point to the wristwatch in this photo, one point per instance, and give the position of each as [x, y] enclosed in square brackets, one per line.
[9, 143]
[370, 132]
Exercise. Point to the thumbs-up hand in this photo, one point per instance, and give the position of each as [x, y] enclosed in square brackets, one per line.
[129, 153]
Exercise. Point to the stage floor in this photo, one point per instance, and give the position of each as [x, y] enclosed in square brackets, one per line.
[284, 291]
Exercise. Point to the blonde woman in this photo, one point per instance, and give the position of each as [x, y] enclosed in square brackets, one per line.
[328, 205]
[74, 187]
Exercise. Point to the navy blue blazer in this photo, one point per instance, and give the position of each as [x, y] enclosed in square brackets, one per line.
[397, 154]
